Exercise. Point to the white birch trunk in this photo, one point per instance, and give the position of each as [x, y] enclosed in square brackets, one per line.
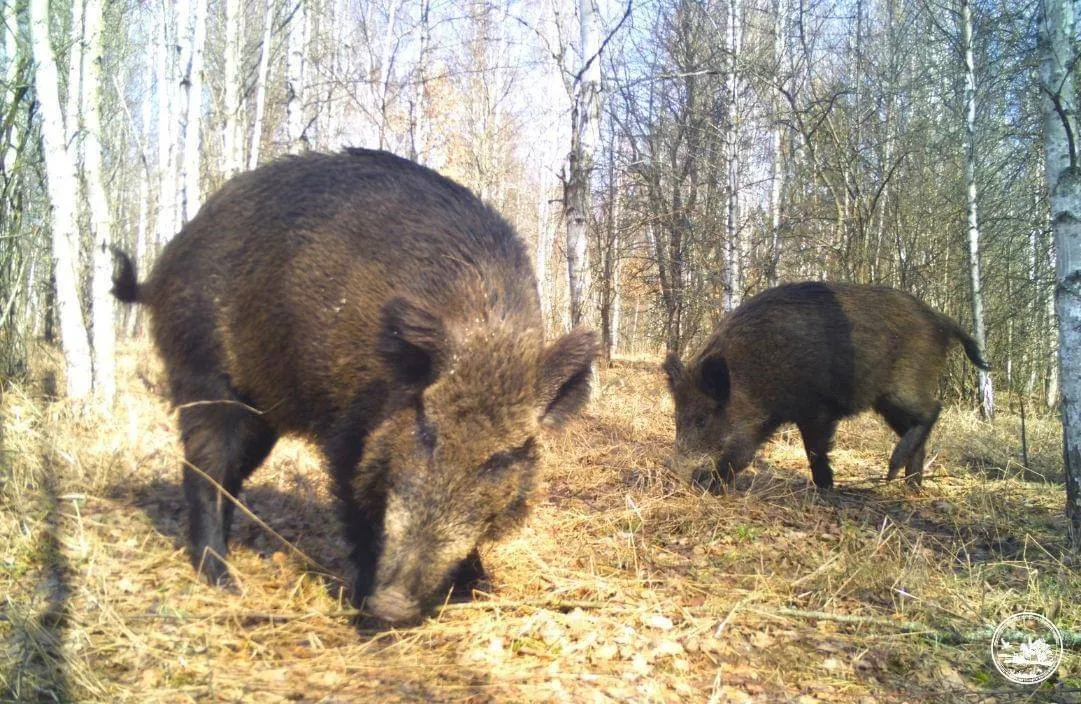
[260, 87]
[297, 43]
[232, 146]
[383, 86]
[63, 189]
[194, 39]
[1064, 184]
[733, 279]
[614, 316]
[142, 229]
[776, 189]
[166, 57]
[419, 127]
[544, 246]
[103, 309]
[987, 392]
[585, 136]
[73, 120]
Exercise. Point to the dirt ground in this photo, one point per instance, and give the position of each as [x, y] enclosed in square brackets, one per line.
[623, 585]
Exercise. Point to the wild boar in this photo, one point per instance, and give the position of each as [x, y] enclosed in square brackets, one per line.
[384, 312]
[811, 354]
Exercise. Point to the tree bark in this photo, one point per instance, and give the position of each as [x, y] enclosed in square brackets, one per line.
[987, 392]
[585, 135]
[166, 59]
[1064, 184]
[232, 142]
[295, 77]
[192, 85]
[260, 86]
[63, 189]
[102, 304]
[733, 270]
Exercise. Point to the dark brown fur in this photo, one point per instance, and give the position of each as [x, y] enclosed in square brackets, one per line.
[383, 311]
[811, 354]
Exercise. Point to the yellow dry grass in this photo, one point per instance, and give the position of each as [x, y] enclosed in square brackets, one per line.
[624, 584]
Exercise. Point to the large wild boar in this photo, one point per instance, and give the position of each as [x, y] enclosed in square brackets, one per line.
[384, 312]
[811, 354]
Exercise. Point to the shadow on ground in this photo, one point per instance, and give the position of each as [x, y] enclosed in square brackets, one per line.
[39, 618]
[947, 526]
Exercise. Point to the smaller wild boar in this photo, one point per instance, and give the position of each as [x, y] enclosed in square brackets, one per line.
[811, 354]
[388, 315]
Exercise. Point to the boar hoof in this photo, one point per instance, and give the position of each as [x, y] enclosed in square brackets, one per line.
[215, 573]
[709, 480]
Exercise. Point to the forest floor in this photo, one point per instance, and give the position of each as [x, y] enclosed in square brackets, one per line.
[623, 585]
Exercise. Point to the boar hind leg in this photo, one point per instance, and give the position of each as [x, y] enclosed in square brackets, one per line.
[817, 440]
[913, 426]
[224, 441]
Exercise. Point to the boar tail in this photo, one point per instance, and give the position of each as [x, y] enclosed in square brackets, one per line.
[972, 348]
[125, 286]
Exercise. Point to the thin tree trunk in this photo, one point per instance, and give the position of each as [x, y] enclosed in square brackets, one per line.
[73, 120]
[1064, 184]
[776, 145]
[987, 392]
[419, 127]
[167, 204]
[295, 78]
[103, 309]
[142, 231]
[585, 135]
[232, 143]
[544, 247]
[192, 85]
[260, 87]
[733, 281]
[63, 188]
[386, 58]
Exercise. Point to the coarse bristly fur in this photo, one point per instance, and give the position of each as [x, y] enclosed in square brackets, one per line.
[811, 354]
[385, 312]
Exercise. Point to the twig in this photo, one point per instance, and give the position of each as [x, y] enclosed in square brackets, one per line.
[260, 522]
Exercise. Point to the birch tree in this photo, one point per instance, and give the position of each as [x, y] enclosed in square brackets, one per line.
[63, 189]
[733, 270]
[167, 191]
[192, 88]
[261, 86]
[232, 147]
[585, 136]
[776, 144]
[295, 69]
[104, 323]
[1064, 184]
[987, 394]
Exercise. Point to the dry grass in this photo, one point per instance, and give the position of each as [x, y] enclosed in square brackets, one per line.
[624, 585]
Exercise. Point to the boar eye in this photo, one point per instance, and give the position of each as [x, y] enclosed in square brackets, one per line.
[502, 461]
[699, 422]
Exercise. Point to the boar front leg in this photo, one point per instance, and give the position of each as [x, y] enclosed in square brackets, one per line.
[817, 435]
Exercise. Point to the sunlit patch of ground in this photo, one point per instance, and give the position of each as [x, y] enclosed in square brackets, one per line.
[624, 584]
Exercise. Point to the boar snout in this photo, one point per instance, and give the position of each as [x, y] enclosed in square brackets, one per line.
[394, 606]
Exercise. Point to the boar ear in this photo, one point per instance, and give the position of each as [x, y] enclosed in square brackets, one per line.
[565, 375]
[713, 378]
[412, 342]
[673, 369]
